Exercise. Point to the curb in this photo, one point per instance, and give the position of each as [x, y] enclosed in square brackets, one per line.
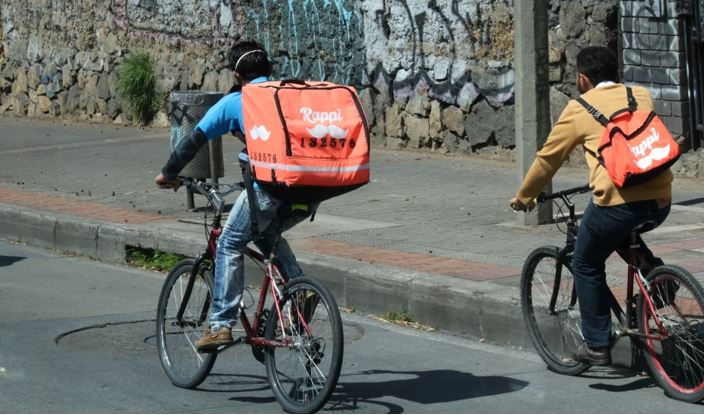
[469, 308]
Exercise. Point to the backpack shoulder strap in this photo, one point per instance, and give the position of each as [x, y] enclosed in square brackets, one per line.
[594, 112]
[632, 103]
[597, 116]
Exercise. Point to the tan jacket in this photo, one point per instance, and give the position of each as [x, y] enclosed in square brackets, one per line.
[577, 127]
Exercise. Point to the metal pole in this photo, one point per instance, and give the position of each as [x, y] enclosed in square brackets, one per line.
[532, 93]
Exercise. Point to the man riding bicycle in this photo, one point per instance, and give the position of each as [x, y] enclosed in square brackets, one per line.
[250, 64]
[613, 212]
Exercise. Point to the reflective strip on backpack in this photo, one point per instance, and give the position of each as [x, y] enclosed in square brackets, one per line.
[314, 169]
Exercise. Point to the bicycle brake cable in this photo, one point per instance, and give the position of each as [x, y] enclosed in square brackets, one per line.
[562, 215]
[205, 219]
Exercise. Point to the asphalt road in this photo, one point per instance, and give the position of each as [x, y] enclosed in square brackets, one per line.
[78, 336]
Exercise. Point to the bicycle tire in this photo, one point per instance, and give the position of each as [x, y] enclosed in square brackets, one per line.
[555, 336]
[319, 347]
[676, 362]
[185, 367]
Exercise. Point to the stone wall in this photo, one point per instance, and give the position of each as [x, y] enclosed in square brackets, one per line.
[653, 56]
[441, 74]
[433, 75]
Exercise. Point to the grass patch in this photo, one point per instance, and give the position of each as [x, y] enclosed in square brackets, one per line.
[136, 82]
[152, 259]
[398, 317]
[404, 318]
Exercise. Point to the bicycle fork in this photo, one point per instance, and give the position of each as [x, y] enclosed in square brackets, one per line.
[187, 295]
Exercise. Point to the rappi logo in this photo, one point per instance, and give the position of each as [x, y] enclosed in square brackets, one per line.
[324, 123]
[259, 132]
[656, 153]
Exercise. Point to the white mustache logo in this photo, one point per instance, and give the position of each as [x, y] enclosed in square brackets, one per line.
[320, 131]
[259, 132]
[657, 153]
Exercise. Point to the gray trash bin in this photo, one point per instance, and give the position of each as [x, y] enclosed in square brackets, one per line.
[185, 110]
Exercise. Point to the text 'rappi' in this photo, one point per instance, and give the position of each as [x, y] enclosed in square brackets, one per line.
[321, 117]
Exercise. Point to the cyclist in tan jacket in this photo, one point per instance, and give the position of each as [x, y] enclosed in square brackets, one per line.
[612, 213]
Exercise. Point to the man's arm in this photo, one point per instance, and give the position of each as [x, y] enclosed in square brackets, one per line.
[184, 152]
[219, 119]
[558, 146]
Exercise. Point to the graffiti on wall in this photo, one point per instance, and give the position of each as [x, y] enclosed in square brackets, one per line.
[317, 39]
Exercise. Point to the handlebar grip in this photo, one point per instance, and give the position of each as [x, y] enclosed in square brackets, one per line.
[520, 207]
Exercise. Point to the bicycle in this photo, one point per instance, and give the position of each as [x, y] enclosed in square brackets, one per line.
[299, 337]
[664, 319]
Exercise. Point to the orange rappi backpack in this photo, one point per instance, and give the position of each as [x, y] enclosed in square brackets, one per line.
[635, 146]
[307, 141]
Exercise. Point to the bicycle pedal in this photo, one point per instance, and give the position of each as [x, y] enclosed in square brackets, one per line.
[237, 341]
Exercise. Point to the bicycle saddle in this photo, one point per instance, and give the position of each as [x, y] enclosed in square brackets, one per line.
[646, 226]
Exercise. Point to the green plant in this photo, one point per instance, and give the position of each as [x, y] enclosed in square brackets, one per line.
[404, 318]
[399, 316]
[136, 82]
[152, 259]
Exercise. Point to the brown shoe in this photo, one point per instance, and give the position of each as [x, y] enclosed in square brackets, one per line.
[211, 341]
[595, 357]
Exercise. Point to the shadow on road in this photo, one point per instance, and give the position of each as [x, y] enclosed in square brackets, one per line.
[9, 260]
[247, 387]
[691, 201]
[637, 384]
[423, 387]
[641, 383]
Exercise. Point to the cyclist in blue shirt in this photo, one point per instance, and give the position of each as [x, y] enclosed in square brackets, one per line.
[250, 64]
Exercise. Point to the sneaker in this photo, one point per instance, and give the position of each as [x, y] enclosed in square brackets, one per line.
[599, 356]
[211, 341]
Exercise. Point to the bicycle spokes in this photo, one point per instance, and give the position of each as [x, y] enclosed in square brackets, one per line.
[183, 303]
[672, 322]
[551, 310]
[305, 369]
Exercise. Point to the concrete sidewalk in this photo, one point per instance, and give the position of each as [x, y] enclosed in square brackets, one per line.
[431, 235]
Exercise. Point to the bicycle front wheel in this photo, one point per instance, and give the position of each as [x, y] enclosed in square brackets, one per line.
[674, 332]
[556, 333]
[304, 374]
[176, 338]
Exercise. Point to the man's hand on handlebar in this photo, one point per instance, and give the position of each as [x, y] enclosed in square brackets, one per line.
[163, 183]
[517, 206]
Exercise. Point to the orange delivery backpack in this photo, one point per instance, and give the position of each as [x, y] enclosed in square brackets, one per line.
[635, 146]
[307, 141]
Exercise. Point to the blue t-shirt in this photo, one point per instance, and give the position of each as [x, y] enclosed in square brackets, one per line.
[225, 115]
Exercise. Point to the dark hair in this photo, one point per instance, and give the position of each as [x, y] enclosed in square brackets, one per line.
[598, 64]
[251, 66]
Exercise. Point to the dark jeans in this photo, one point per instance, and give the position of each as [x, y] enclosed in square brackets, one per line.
[601, 232]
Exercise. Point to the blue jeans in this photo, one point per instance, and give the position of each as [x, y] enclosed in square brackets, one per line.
[229, 259]
[601, 232]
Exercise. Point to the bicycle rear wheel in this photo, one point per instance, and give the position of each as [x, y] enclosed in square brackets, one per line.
[555, 334]
[677, 361]
[304, 375]
[176, 339]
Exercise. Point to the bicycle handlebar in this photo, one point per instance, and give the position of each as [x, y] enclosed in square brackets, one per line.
[562, 193]
[214, 193]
